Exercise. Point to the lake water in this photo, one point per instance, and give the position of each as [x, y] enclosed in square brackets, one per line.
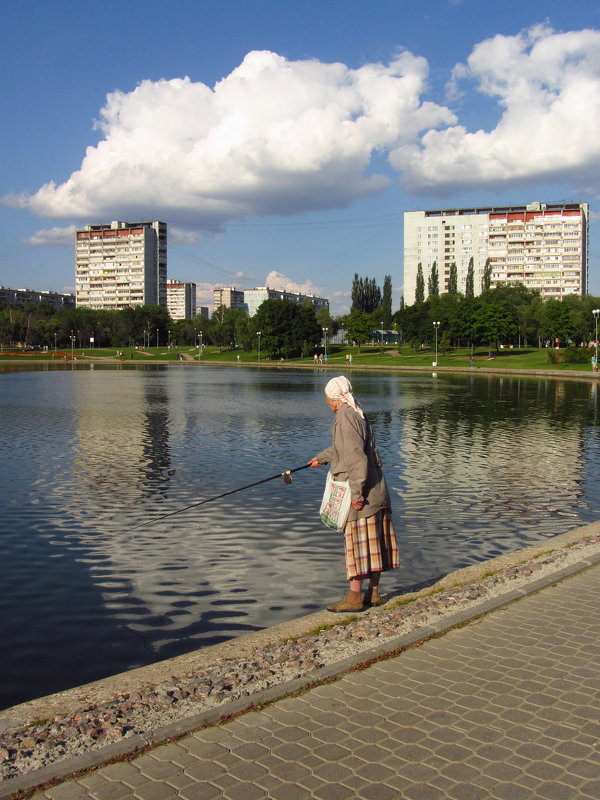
[477, 466]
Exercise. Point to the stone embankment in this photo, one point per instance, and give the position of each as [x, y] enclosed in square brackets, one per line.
[158, 702]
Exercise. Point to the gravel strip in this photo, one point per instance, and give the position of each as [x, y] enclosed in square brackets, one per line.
[41, 743]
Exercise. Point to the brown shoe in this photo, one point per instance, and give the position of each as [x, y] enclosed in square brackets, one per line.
[347, 605]
[372, 597]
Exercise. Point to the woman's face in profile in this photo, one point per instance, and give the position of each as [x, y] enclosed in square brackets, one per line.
[333, 404]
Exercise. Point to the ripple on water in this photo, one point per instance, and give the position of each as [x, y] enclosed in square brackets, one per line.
[476, 467]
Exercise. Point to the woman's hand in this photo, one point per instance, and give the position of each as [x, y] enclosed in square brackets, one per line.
[314, 462]
[358, 504]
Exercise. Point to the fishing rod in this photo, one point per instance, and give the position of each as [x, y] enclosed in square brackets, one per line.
[287, 479]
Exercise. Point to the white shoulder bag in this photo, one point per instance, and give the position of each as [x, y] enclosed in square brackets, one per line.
[335, 505]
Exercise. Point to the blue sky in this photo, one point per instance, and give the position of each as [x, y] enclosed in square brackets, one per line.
[282, 141]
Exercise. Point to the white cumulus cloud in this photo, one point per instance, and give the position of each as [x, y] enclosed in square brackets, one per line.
[280, 137]
[547, 87]
[273, 137]
[180, 236]
[53, 236]
[204, 293]
[276, 280]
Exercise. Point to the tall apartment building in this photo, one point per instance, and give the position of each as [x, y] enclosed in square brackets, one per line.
[31, 297]
[254, 297]
[228, 297]
[121, 264]
[181, 299]
[250, 299]
[544, 246]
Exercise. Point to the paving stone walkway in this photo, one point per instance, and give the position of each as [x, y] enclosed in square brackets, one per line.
[505, 707]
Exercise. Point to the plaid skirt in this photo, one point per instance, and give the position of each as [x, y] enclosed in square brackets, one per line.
[370, 545]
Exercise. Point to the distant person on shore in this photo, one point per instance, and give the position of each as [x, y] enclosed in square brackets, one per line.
[369, 538]
[594, 364]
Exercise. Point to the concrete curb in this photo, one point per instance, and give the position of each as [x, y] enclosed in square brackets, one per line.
[129, 747]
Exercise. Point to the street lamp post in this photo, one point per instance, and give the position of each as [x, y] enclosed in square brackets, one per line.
[596, 312]
[382, 336]
[169, 339]
[436, 325]
[258, 333]
[157, 338]
[72, 343]
[199, 345]
[55, 343]
[325, 332]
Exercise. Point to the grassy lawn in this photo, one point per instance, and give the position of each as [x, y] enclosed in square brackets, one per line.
[129, 354]
[519, 358]
[386, 356]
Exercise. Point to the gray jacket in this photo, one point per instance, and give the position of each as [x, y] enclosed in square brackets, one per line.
[354, 457]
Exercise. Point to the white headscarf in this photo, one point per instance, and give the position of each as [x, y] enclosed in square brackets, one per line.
[341, 389]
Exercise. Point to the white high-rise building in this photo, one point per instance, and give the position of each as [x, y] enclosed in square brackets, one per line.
[544, 246]
[228, 297]
[121, 264]
[181, 299]
[253, 298]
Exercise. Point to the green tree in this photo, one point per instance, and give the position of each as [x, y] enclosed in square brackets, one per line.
[530, 315]
[486, 278]
[325, 320]
[219, 327]
[464, 322]
[470, 286]
[445, 309]
[444, 342]
[202, 325]
[242, 330]
[226, 325]
[582, 318]
[358, 326]
[366, 295]
[182, 332]
[386, 301]
[420, 285]
[493, 324]
[285, 327]
[308, 329]
[433, 282]
[9, 334]
[414, 322]
[556, 321]
[521, 302]
[453, 279]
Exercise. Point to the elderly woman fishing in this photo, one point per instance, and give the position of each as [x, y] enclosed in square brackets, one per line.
[369, 537]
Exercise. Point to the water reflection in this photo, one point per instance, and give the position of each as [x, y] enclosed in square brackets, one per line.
[478, 465]
[494, 454]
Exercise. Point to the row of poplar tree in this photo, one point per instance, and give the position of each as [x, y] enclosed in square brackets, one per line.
[505, 314]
